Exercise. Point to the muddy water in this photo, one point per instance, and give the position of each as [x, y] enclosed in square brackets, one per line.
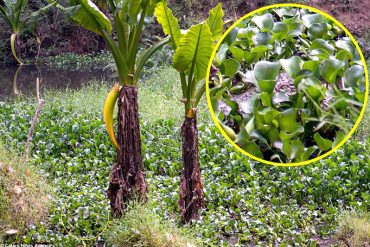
[15, 80]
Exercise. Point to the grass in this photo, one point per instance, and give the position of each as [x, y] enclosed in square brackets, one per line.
[354, 228]
[23, 195]
[143, 227]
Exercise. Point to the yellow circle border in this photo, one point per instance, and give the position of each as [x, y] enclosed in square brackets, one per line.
[215, 119]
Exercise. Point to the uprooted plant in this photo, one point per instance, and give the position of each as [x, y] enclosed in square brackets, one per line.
[287, 85]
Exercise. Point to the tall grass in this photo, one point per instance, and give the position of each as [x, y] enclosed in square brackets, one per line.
[354, 228]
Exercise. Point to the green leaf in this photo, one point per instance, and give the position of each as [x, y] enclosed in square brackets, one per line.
[311, 19]
[229, 67]
[293, 149]
[229, 131]
[231, 36]
[288, 120]
[253, 149]
[194, 51]
[87, 15]
[262, 38]
[324, 144]
[338, 138]
[169, 23]
[313, 87]
[330, 69]
[221, 54]
[291, 65]
[265, 21]
[237, 53]
[307, 153]
[353, 75]
[317, 30]
[266, 74]
[322, 44]
[215, 23]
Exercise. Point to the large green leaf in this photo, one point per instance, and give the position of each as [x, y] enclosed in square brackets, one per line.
[265, 21]
[90, 17]
[169, 23]
[311, 19]
[266, 74]
[194, 51]
[288, 120]
[353, 75]
[291, 65]
[330, 69]
[323, 143]
[215, 22]
[322, 44]
[229, 67]
[293, 150]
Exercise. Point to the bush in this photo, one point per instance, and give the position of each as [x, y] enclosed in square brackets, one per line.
[23, 195]
[142, 227]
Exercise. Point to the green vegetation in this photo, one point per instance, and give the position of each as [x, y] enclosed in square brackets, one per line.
[141, 226]
[245, 200]
[24, 196]
[321, 98]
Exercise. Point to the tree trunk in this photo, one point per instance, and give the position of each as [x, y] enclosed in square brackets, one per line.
[127, 177]
[191, 188]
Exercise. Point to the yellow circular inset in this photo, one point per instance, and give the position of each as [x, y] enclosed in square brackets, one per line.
[229, 134]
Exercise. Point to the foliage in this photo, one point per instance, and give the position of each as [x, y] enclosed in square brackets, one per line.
[254, 203]
[24, 198]
[143, 227]
[322, 98]
[354, 228]
[192, 50]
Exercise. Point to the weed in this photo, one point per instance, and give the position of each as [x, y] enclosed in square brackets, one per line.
[354, 228]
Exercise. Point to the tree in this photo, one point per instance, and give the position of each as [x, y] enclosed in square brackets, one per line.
[11, 11]
[192, 52]
[127, 176]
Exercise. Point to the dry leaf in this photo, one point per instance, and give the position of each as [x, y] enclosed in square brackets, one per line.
[28, 172]
[17, 190]
[11, 232]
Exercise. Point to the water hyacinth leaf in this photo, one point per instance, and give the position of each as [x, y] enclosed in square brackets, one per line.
[311, 19]
[330, 69]
[266, 115]
[229, 67]
[281, 28]
[221, 54]
[266, 98]
[279, 98]
[294, 29]
[247, 33]
[257, 135]
[353, 75]
[339, 137]
[229, 131]
[348, 46]
[292, 66]
[242, 138]
[194, 51]
[317, 30]
[274, 137]
[238, 53]
[322, 44]
[288, 120]
[215, 23]
[293, 149]
[311, 65]
[265, 21]
[288, 136]
[307, 153]
[266, 74]
[261, 48]
[322, 143]
[231, 36]
[262, 38]
[319, 54]
[312, 87]
[253, 149]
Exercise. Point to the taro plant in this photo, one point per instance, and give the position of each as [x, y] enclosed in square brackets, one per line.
[127, 176]
[192, 52]
[12, 11]
[288, 85]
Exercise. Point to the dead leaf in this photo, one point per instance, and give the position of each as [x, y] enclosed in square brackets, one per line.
[17, 190]
[11, 232]
[28, 172]
[10, 169]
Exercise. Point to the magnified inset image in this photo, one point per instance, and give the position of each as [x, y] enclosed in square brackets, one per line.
[287, 85]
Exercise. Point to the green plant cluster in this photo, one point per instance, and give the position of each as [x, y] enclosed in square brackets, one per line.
[254, 203]
[290, 121]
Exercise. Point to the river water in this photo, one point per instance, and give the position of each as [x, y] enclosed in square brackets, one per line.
[21, 80]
